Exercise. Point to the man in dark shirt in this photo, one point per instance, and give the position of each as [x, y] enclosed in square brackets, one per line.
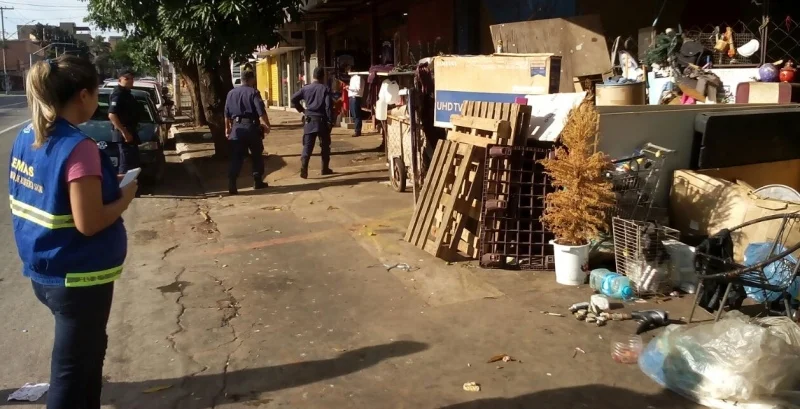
[246, 124]
[123, 112]
[318, 120]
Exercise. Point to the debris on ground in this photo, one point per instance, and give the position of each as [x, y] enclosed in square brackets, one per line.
[158, 388]
[552, 314]
[30, 392]
[400, 266]
[472, 387]
[501, 357]
[578, 307]
[333, 208]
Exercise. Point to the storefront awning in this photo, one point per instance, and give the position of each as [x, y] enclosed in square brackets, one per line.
[275, 51]
[316, 10]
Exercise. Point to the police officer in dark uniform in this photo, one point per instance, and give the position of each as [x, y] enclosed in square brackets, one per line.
[318, 120]
[123, 112]
[246, 124]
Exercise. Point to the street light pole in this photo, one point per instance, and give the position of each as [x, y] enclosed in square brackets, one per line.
[3, 27]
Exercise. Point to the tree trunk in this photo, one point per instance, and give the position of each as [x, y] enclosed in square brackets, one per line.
[189, 74]
[215, 83]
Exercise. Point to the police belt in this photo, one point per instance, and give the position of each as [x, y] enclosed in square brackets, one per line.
[245, 120]
[312, 118]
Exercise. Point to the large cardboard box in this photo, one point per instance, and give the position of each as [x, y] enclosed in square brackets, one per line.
[491, 78]
[706, 201]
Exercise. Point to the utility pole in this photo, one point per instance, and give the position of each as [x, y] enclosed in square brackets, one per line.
[3, 28]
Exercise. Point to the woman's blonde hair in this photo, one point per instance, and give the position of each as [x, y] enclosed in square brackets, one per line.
[50, 85]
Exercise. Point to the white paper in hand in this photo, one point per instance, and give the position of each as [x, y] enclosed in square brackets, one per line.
[130, 177]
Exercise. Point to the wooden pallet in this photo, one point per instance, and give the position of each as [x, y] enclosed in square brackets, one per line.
[447, 216]
[446, 220]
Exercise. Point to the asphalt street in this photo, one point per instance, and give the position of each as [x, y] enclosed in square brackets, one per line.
[23, 316]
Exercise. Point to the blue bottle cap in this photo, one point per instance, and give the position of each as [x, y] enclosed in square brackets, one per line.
[627, 292]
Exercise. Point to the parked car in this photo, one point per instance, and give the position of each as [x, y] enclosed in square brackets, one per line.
[163, 104]
[151, 133]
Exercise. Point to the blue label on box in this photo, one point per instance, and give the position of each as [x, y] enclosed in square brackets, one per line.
[449, 102]
[538, 70]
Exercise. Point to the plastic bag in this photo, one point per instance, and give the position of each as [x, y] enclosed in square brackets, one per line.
[732, 359]
[777, 273]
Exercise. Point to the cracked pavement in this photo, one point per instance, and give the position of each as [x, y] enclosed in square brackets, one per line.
[280, 299]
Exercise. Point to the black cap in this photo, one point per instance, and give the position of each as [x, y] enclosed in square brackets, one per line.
[319, 73]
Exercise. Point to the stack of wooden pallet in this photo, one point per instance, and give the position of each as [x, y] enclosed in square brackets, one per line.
[446, 219]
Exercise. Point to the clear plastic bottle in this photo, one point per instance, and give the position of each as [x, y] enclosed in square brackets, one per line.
[611, 284]
[596, 278]
[618, 286]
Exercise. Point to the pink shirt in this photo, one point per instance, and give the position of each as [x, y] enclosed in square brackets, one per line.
[84, 161]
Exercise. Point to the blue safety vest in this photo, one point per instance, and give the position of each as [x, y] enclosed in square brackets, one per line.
[52, 250]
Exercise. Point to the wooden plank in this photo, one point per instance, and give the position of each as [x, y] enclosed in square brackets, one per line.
[473, 192]
[472, 140]
[424, 200]
[438, 190]
[447, 213]
[484, 124]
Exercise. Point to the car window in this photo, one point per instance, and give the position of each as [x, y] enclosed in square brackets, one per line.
[101, 114]
[150, 91]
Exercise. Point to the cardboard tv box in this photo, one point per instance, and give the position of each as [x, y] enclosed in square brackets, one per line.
[703, 202]
[491, 78]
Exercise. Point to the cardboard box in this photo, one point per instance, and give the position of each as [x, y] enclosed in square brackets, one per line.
[492, 78]
[703, 204]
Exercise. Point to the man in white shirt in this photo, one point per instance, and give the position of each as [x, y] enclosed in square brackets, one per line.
[356, 91]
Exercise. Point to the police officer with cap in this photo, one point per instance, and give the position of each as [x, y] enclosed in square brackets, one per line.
[123, 112]
[246, 124]
[318, 120]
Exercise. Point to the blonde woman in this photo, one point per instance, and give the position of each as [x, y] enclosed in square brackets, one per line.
[66, 207]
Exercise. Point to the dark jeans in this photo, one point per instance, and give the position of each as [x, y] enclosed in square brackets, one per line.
[309, 140]
[128, 157]
[79, 348]
[355, 112]
[252, 144]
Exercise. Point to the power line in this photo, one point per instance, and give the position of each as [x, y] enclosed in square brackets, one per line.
[41, 5]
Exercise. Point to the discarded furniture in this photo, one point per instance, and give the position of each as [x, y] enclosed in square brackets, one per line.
[776, 272]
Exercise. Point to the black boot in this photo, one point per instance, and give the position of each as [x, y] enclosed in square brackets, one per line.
[232, 187]
[258, 183]
[304, 169]
[326, 169]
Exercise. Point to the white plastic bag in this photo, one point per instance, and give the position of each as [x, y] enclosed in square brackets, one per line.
[732, 359]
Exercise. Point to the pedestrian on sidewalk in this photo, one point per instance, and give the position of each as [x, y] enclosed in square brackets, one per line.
[317, 120]
[123, 112]
[246, 125]
[356, 91]
[66, 207]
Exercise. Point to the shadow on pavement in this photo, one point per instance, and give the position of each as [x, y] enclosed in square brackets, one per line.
[579, 397]
[207, 391]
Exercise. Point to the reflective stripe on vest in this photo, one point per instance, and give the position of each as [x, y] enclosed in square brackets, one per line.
[40, 217]
[92, 278]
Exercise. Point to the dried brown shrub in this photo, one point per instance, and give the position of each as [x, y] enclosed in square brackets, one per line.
[576, 211]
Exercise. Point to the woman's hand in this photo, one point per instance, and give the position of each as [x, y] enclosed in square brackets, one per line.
[129, 192]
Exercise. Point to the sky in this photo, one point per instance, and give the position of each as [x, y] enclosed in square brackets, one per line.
[46, 12]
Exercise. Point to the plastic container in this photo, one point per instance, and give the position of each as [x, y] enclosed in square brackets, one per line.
[627, 350]
[570, 261]
[611, 284]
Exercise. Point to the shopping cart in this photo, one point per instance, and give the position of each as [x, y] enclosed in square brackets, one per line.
[635, 182]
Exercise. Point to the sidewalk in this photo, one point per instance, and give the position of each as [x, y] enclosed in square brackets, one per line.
[283, 298]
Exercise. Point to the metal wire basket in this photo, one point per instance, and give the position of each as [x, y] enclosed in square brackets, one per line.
[641, 255]
[635, 182]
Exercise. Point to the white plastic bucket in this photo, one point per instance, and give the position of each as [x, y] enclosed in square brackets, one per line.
[570, 262]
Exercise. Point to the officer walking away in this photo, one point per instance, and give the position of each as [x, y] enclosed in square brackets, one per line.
[317, 120]
[246, 124]
[123, 112]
